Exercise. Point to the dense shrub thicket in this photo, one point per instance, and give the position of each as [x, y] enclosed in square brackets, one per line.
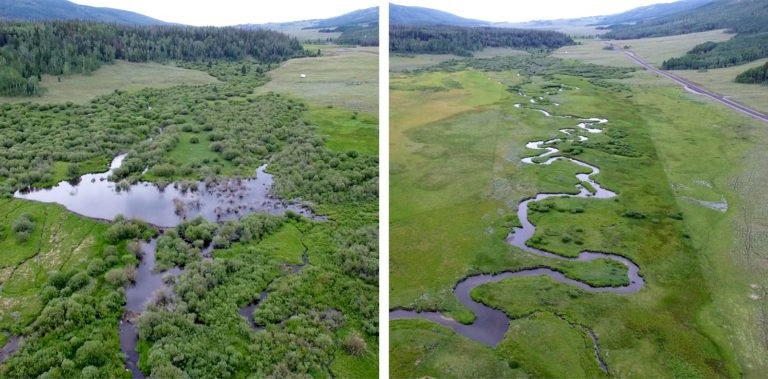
[536, 64]
[311, 315]
[75, 334]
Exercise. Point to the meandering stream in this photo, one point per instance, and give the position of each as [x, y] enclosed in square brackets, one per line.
[491, 324]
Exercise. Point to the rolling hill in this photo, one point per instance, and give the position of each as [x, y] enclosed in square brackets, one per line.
[652, 12]
[355, 19]
[405, 15]
[38, 10]
[745, 18]
[362, 17]
[739, 16]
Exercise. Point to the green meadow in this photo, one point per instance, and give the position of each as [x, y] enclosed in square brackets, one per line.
[456, 180]
[122, 75]
[657, 50]
[345, 77]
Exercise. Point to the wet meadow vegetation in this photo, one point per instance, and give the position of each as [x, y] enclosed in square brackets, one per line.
[313, 282]
[665, 153]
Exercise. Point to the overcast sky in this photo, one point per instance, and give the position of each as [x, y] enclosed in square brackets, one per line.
[233, 12]
[517, 10]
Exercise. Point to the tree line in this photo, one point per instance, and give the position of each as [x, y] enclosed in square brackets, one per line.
[738, 50]
[754, 75]
[359, 35]
[28, 50]
[463, 41]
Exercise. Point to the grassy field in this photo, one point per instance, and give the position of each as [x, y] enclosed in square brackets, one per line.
[346, 130]
[456, 141]
[122, 75]
[721, 81]
[654, 50]
[343, 77]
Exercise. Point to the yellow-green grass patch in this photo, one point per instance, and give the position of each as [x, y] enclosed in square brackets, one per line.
[654, 50]
[346, 130]
[121, 75]
[345, 77]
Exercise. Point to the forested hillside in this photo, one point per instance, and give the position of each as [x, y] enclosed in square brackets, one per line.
[28, 50]
[405, 15]
[740, 49]
[39, 10]
[359, 35]
[652, 12]
[747, 18]
[359, 17]
[739, 16]
[463, 40]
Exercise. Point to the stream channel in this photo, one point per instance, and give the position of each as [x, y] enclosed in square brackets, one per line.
[94, 196]
[491, 324]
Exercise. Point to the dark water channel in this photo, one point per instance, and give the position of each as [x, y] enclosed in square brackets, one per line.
[10, 346]
[491, 324]
[92, 195]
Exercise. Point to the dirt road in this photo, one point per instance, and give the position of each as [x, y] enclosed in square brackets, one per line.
[693, 88]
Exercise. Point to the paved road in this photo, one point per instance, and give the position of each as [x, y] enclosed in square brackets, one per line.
[693, 88]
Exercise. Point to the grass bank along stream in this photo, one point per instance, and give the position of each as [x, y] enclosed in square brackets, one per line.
[464, 163]
[64, 284]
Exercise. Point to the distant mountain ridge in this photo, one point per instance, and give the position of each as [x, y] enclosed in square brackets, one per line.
[354, 19]
[38, 10]
[406, 15]
[739, 16]
[362, 17]
[652, 12]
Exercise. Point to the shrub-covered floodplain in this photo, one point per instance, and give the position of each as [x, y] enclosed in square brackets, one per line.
[64, 277]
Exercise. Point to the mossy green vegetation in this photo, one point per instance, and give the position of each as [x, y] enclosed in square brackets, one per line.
[524, 349]
[346, 130]
[464, 165]
[422, 348]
